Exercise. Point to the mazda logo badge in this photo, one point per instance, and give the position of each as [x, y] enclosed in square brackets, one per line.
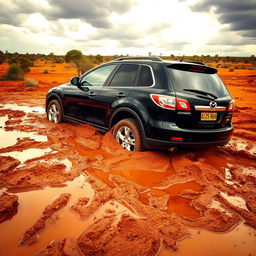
[213, 104]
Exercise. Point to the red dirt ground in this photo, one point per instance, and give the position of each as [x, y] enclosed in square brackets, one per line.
[68, 190]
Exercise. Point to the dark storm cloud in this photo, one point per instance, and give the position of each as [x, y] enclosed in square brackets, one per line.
[230, 41]
[95, 12]
[239, 14]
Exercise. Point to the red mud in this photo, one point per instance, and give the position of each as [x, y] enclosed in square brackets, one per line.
[121, 203]
[8, 206]
[30, 235]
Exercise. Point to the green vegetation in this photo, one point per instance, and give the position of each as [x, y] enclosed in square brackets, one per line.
[85, 64]
[29, 82]
[74, 56]
[22, 62]
[2, 57]
[14, 72]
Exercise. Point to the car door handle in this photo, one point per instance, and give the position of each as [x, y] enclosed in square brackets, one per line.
[92, 94]
[120, 94]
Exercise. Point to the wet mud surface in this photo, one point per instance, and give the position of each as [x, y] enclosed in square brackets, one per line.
[68, 190]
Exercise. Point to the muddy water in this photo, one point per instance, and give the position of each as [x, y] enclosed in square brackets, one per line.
[24, 108]
[239, 242]
[176, 180]
[10, 138]
[31, 206]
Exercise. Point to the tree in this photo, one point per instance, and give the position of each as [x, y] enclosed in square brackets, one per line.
[74, 56]
[85, 64]
[99, 58]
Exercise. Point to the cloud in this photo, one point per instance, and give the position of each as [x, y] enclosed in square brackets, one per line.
[240, 15]
[94, 12]
[132, 26]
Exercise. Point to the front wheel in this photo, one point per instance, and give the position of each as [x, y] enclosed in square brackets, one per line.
[126, 132]
[54, 112]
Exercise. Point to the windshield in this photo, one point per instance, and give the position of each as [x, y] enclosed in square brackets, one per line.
[208, 83]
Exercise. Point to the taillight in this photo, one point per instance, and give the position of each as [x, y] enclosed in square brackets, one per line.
[164, 101]
[182, 104]
[170, 102]
[231, 105]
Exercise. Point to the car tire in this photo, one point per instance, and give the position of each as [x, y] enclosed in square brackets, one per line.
[127, 133]
[54, 112]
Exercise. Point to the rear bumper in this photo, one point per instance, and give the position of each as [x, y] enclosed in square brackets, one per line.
[192, 138]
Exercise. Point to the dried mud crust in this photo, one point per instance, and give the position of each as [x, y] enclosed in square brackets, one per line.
[29, 236]
[8, 206]
[91, 153]
[128, 237]
[64, 247]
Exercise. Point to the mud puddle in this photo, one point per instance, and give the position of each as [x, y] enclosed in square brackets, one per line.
[240, 241]
[10, 138]
[27, 154]
[24, 108]
[31, 205]
[162, 196]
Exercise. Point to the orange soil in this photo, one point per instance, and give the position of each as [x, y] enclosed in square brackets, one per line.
[121, 203]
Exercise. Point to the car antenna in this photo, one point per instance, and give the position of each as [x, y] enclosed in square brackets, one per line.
[182, 58]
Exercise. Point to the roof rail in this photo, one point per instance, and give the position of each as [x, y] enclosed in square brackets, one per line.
[140, 58]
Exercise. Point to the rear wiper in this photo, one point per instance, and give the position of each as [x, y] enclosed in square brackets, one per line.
[201, 92]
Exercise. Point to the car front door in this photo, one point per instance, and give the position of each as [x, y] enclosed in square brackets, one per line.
[114, 94]
[79, 102]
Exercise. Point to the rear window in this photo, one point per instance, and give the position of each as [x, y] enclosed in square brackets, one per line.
[191, 80]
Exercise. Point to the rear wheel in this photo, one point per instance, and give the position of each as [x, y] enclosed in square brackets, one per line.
[126, 132]
[54, 112]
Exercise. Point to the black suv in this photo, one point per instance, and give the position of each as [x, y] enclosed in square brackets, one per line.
[150, 103]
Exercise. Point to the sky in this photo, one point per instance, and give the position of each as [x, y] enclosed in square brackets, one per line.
[134, 27]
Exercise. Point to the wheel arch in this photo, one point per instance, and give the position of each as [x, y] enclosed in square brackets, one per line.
[53, 96]
[124, 113]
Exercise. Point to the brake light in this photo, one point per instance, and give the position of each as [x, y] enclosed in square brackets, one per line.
[164, 101]
[177, 138]
[170, 102]
[182, 104]
[231, 105]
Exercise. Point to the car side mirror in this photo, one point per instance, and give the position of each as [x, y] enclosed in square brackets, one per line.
[75, 80]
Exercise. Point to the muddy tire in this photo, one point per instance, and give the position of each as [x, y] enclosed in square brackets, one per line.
[54, 112]
[127, 133]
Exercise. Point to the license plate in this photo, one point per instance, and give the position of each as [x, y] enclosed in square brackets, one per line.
[206, 116]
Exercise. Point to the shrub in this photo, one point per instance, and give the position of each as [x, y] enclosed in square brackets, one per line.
[14, 73]
[22, 62]
[226, 66]
[29, 82]
[231, 69]
[2, 57]
[46, 71]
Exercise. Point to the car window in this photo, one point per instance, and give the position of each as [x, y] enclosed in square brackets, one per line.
[125, 76]
[98, 76]
[185, 80]
[145, 76]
